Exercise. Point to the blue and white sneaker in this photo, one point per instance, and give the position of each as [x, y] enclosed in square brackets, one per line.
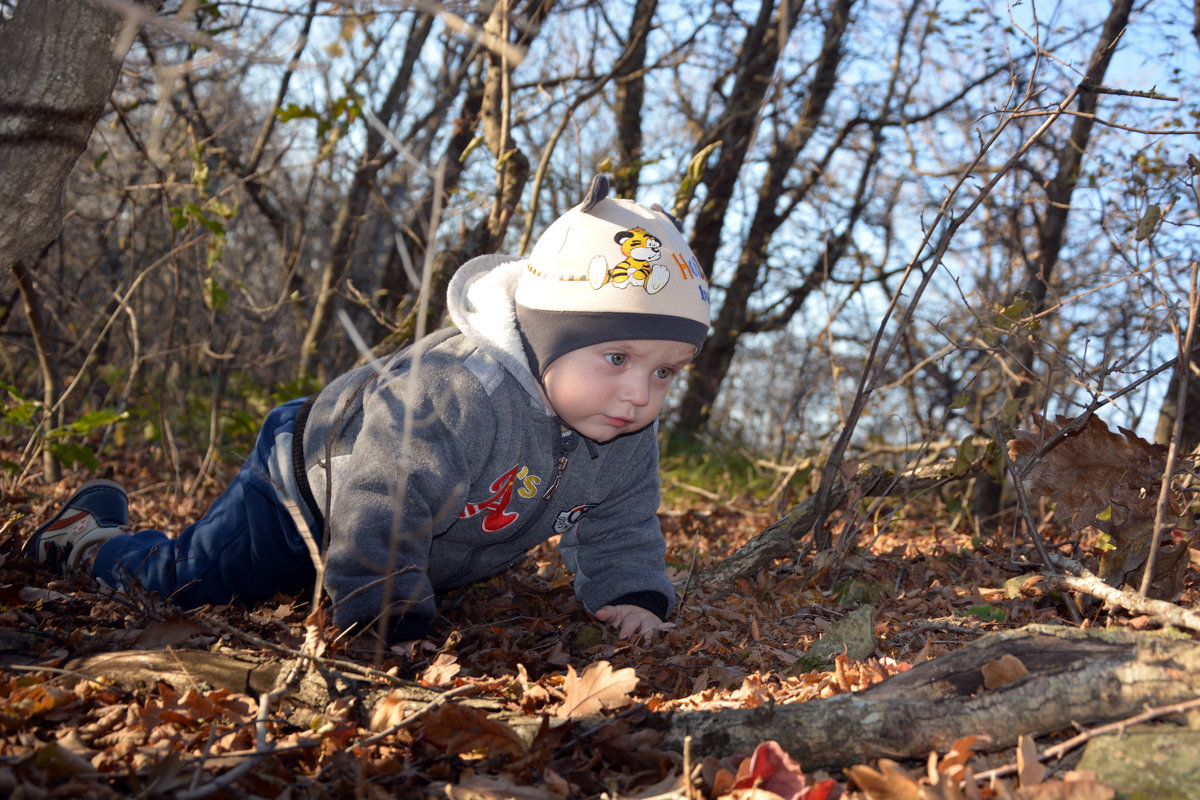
[98, 511]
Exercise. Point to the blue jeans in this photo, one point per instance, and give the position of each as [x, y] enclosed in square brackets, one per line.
[245, 549]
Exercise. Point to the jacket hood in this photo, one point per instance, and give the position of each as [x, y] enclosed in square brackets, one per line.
[480, 302]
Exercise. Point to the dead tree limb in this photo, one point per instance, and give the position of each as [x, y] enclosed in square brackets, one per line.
[1082, 580]
[782, 537]
[1075, 678]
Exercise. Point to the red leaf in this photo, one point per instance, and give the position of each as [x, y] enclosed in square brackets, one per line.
[771, 769]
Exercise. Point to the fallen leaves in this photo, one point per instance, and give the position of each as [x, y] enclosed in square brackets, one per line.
[1005, 669]
[21, 702]
[951, 778]
[523, 650]
[443, 669]
[597, 687]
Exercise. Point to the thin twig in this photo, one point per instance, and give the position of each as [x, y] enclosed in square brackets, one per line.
[1058, 750]
[413, 717]
[338, 664]
[1164, 491]
[1030, 524]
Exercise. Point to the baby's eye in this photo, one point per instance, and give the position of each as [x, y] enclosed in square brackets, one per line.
[664, 373]
[616, 359]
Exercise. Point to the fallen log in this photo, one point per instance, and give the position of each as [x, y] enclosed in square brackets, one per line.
[181, 669]
[1074, 678]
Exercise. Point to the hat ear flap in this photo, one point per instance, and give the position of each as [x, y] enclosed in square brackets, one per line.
[676, 221]
[597, 191]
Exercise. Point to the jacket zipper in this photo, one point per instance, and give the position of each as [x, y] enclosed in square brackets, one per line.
[539, 512]
[558, 473]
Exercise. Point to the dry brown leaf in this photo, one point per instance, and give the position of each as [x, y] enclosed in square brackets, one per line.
[388, 712]
[26, 702]
[1002, 670]
[596, 688]
[441, 671]
[674, 785]
[752, 794]
[485, 787]
[1093, 473]
[889, 782]
[1030, 771]
[960, 753]
[462, 729]
[1109, 481]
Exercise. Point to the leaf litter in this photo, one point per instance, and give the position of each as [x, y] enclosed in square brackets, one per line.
[520, 643]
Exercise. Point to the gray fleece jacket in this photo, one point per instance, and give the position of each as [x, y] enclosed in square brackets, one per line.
[442, 465]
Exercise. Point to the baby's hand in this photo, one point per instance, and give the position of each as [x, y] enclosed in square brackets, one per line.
[630, 620]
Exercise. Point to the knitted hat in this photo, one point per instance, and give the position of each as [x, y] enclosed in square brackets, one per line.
[609, 270]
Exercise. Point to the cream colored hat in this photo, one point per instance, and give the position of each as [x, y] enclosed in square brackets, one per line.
[608, 270]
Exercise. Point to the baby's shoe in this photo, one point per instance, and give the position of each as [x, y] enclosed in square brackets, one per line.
[98, 511]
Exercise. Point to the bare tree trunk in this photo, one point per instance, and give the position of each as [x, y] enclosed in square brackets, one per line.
[630, 96]
[1191, 410]
[759, 56]
[59, 62]
[1196, 17]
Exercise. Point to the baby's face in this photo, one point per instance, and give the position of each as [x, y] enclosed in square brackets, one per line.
[608, 389]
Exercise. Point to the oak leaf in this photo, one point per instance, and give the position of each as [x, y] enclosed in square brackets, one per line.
[462, 729]
[1098, 477]
[1030, 771]
[441, 671]
[596, 688]
[889, 782]
[23, 703]
[1108, 481]
[486, 787]
[1081, 785]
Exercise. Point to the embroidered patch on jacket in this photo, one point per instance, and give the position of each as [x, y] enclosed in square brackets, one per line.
[498, 517]
[569, 518]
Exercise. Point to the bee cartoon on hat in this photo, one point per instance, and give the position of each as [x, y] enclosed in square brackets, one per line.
[641, 250]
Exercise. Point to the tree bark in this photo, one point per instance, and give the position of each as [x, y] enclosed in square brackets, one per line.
[630, 97]
[760, 54]
[1075, 678]
[59, 62]
[1191, 410]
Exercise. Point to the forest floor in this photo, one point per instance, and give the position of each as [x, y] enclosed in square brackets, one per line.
[520, 640]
